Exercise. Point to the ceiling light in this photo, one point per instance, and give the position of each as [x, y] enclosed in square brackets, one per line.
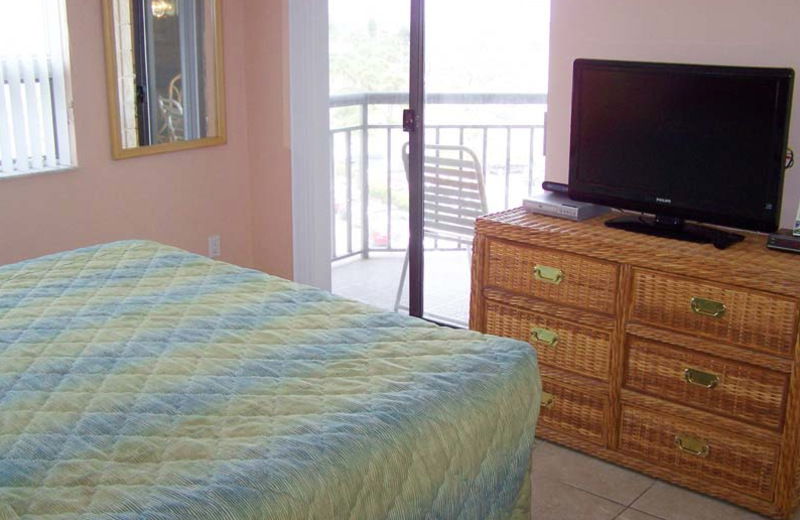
[162, 8]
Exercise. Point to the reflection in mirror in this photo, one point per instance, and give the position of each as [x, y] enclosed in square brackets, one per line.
[165, 74]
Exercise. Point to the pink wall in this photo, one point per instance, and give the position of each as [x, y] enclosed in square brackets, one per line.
[727, 32]
[267, 72]
[242, 191]
[179, 198]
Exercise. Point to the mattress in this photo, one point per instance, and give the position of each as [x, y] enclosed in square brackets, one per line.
[139, 381]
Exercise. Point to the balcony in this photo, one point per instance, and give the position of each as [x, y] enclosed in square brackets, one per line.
[370, 190]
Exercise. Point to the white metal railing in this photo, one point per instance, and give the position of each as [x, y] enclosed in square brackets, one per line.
[366, 150]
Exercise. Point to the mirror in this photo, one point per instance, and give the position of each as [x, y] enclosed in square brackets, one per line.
[164, 71]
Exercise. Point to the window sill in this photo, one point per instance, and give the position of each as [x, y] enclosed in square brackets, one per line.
[36, 173]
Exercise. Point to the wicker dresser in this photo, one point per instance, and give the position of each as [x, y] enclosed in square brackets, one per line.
[672, 358]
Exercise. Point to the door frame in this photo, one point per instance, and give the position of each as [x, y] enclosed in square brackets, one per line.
[416, 185]
[310, 114]
[309, 107]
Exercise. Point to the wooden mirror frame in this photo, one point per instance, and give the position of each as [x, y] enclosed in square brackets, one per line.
[113, 94]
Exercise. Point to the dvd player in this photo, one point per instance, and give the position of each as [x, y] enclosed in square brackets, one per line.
[554, 204]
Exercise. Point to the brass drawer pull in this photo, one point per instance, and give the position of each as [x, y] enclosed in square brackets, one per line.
[693, 445]
[548, 274]
[710, 308]
[704, 379]
[544, 336]
[548, 400]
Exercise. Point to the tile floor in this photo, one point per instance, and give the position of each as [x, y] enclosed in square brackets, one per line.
[375, 281]
[568, 485]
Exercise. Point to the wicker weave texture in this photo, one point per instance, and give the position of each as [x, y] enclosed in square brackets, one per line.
[735, 462]
[743, 392]
[712, 346]
[760, 321]
[700, 417]
[582, 350]
[587, 284]
[574, 412]
[540, 307]
[747, 264]
[637, 291]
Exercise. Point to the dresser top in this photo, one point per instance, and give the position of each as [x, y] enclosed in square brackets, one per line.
[748, 264]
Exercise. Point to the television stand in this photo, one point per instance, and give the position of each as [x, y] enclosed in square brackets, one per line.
[621, 307]
[675, 228]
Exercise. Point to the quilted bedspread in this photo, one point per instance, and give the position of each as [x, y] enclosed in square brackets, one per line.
[138, 381]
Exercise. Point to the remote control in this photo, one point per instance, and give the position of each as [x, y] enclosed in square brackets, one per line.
[555, 187]
[779, 242]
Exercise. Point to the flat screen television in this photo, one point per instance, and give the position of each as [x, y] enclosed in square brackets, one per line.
[681, 142]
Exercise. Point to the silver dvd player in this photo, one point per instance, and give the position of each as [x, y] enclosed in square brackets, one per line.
[560, 205]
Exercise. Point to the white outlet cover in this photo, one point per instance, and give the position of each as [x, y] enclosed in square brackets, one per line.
[214, 246]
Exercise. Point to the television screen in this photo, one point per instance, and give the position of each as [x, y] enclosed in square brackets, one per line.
[705, 143]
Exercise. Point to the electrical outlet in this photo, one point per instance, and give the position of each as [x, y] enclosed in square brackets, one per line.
[214, 246]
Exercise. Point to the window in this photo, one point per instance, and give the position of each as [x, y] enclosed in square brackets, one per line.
[35, 130]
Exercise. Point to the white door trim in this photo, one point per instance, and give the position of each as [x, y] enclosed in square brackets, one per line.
[310, 127]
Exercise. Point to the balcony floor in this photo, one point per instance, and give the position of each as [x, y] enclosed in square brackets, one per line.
[375, 280]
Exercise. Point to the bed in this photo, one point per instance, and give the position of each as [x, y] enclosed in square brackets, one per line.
[139, 381]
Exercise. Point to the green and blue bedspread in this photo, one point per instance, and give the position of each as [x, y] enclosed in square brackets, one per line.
[142, 382]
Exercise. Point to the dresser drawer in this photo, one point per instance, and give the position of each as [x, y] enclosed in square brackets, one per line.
[559, 277]
[573, 411]
[740, 391]
[558, 343]
[710, 454]
[752, 319]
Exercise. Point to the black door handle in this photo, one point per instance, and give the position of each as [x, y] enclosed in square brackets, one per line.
[409, 121]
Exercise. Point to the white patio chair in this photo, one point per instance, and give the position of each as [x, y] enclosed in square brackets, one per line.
[171, 113]
[454, 195]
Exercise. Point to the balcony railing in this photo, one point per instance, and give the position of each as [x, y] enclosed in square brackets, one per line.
[369, 193]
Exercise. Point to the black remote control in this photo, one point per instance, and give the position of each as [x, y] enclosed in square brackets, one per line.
[555, 186]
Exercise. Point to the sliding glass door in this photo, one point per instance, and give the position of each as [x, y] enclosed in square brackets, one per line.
[404, 204]
[485, 80]
[369, 45]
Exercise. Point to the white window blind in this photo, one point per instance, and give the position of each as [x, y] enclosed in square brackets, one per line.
[35, 133]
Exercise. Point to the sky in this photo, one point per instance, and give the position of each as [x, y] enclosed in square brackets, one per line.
[471, 45]
[19, 20]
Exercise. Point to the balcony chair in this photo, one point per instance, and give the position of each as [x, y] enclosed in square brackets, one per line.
[455, 195]
[171, 115]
